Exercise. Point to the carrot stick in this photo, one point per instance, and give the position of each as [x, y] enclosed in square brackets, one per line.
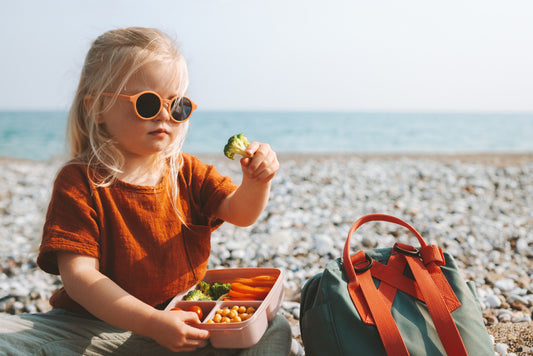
[234, 295]
[257, 282]
[249, 293]
[244, 288]
[264, 277]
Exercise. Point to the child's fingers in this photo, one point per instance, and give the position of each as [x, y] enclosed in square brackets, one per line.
[266, 174]
[197, 334]
[176, 331]
[264, 164]
[250, 150]
[252, 147]
[191, 317]
[261, 152]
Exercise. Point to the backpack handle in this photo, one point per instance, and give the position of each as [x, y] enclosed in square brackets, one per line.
[348, 265]
[382, 318]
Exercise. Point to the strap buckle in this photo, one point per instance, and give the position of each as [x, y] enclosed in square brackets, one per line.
[404, 250]
[369, 261]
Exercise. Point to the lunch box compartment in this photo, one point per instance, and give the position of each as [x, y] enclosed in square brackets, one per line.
[237, 334]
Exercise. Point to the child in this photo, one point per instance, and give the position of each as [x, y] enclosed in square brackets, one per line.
[130, 219]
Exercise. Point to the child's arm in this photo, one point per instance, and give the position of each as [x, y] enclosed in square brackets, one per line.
[244, 206]
[107, 301]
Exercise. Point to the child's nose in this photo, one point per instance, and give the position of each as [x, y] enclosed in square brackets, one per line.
[164, 114]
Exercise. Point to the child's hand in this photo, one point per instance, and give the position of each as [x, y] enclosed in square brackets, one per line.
[244, 205]
[263, 165]
[173, 330]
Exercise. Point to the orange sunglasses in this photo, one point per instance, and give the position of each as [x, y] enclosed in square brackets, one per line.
[148, 104]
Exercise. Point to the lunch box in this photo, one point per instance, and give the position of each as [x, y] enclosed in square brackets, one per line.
[237, 334]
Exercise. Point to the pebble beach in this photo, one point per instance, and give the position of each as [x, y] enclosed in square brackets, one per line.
[477, 207]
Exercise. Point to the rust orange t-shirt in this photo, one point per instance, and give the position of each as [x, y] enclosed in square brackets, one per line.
[134, 231]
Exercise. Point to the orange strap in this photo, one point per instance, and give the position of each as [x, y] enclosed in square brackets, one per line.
[392, 279]
[395, 279]
[446, 328]
[431, 286]
[387, 328]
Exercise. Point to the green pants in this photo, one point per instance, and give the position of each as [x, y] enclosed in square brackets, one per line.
[60, 332]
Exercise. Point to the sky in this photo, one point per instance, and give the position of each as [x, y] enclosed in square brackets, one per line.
[290, 55]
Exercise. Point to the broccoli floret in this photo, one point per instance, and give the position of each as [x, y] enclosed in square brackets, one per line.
[236, 145]
[196, 295]
[204, 287]
[206, 291]
[218, 289]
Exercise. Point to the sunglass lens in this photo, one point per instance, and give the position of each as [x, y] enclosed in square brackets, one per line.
[182, 109]
[148, 105]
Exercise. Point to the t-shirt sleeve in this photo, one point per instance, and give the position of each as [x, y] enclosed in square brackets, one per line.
[71, 220]
[208, 188]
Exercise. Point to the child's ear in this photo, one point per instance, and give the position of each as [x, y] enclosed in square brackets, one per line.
[88, 102]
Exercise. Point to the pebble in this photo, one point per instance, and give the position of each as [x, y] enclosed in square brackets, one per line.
[295, 331]
[480, 213]
[505, 318]
[493, 301]
[296, 348]
[501, 349]
[519, 318]
[504, 284]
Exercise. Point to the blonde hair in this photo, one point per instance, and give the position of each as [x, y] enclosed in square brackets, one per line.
[110, 62]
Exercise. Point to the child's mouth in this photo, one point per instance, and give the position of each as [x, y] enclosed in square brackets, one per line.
[159, 132]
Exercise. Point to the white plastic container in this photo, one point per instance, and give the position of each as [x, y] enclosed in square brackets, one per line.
[242, 334]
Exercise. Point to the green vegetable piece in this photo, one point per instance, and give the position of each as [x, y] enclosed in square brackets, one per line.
[218, 289]
[236, 145]
[204, 287]
[196, 295]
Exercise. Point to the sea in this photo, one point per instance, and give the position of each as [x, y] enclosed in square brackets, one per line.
[40, 135]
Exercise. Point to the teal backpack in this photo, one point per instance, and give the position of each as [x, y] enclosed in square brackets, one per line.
[392, 301]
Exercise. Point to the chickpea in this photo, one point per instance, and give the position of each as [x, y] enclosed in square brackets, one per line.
[225, 311]
[233, 314]
[244, 316]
